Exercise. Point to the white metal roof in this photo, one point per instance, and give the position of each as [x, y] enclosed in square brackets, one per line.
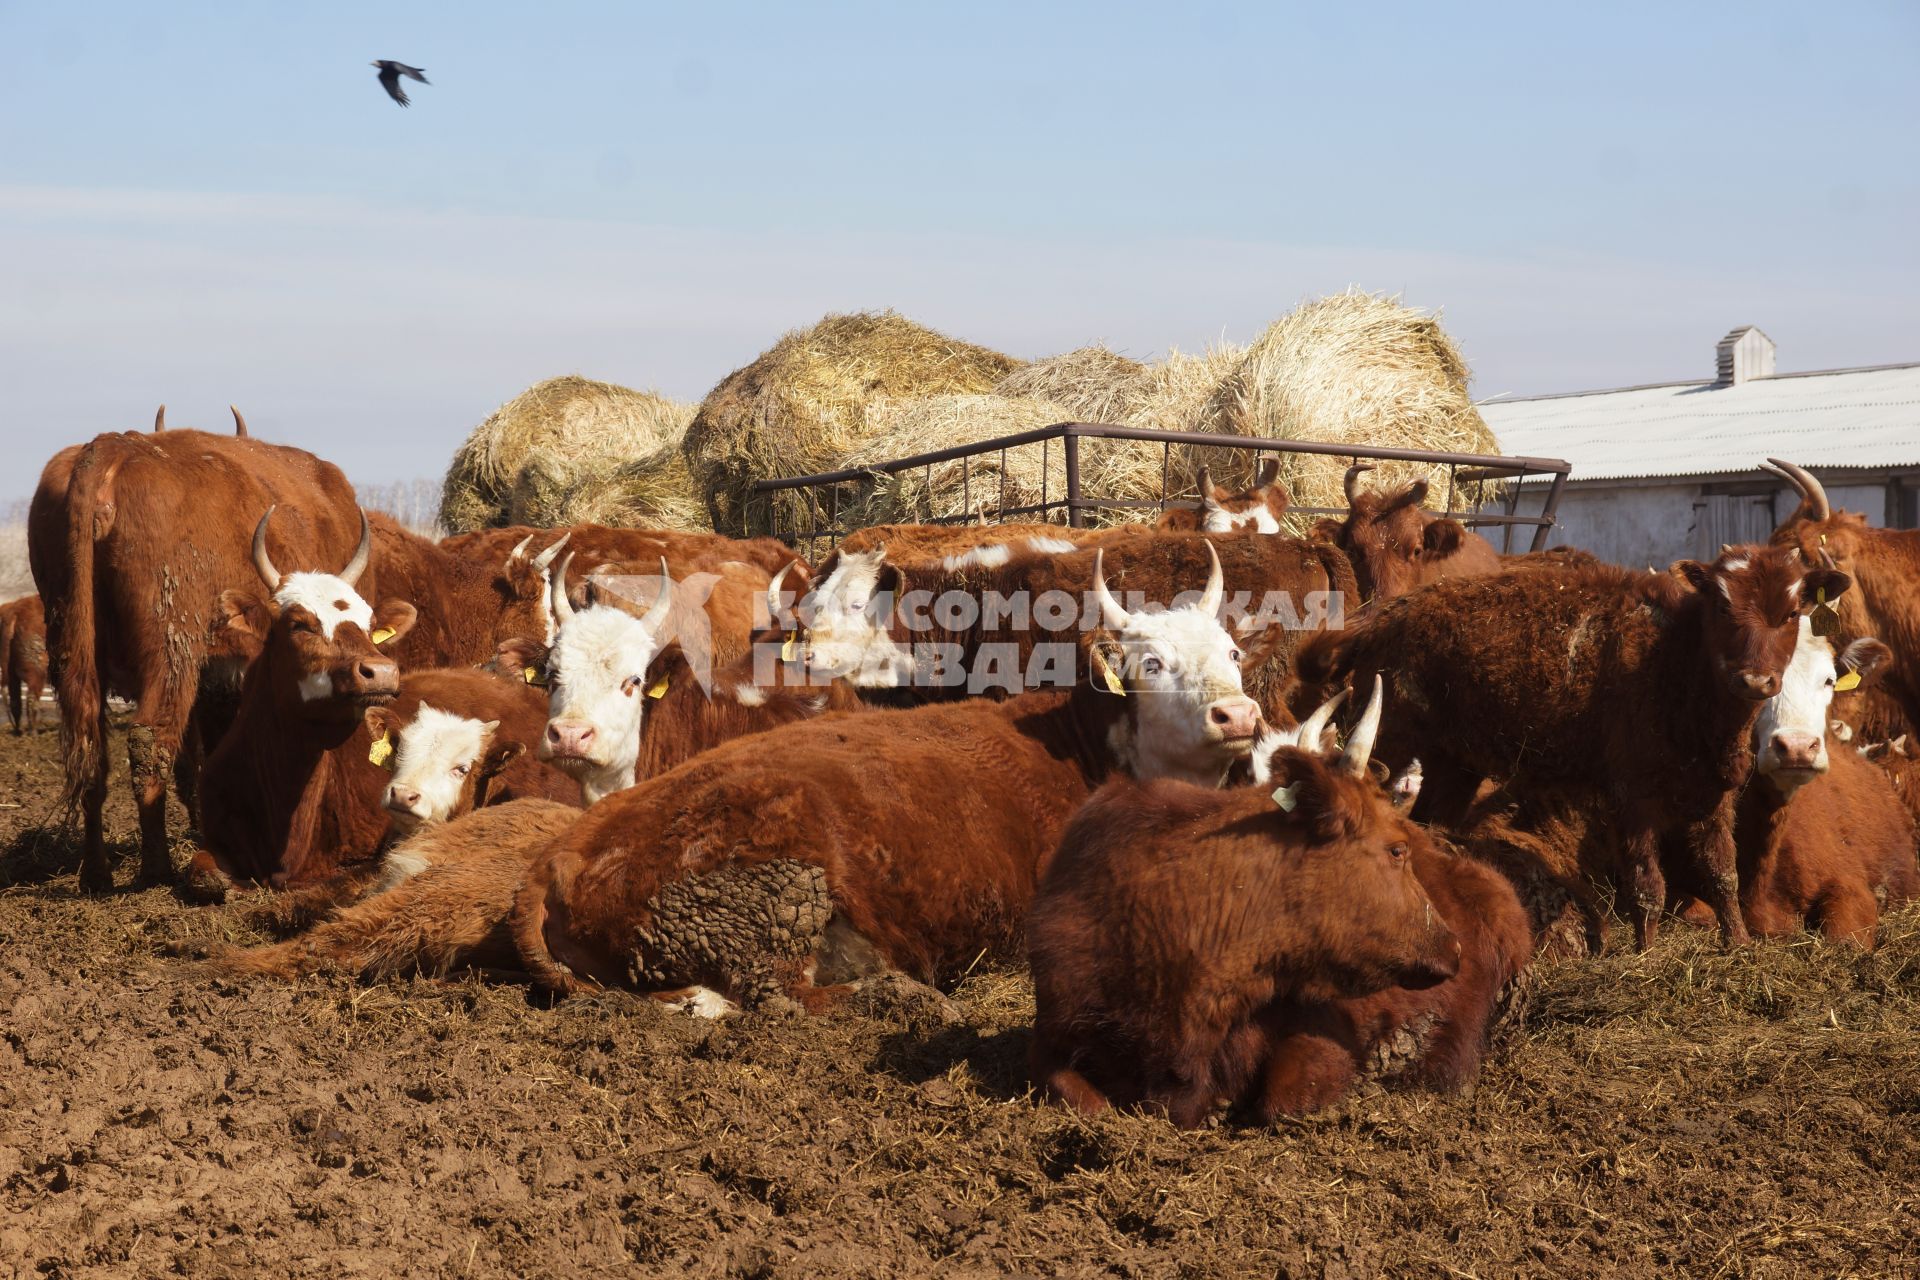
[1838, 418]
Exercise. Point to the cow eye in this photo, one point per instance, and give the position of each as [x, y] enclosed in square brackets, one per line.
[1397, 852]
[628, 685]
[1150, 665]
[461, 770]
[1233, 655]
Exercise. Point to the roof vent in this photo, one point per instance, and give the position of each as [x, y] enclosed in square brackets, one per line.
[1745, 353]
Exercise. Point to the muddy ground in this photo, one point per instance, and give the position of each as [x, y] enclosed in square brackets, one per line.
[1683, 1112]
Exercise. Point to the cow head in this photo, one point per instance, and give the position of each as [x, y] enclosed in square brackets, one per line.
[1259, 508]
[318, 644]
[1815, 526]
[1395, 546]
[1790, 735]
[525, 587]
[1752, 600]
[1377, 925]
[848, 616]
[1179, 668]
[442, 763]
[596, 672]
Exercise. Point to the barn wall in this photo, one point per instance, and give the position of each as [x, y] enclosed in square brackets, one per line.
[1637, 523]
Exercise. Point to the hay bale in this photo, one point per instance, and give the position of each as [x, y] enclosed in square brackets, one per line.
[574, 424]
[953, 490]
[656, 491]
[1092, 384]
[801, 407]
[1352, 369]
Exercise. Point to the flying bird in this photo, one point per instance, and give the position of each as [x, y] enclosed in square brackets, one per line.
[390, 73]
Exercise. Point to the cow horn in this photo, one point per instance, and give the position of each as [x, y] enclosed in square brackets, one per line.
[773, 594]
[557, 593]
[1315, 727]
[663, 604]
[1205, 482]
[544, 560]
[358, 565]
[1267, 473]
[1216, 582]
[519, 551]
[160, 420]
[1810, 489]
[1353, 475]
[239, 423]
[262, 562]
[1111, 614]
[1353, 761]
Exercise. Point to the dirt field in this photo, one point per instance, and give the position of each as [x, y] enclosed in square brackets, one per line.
[1680, 1113]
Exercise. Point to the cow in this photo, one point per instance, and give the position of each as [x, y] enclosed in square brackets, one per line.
[718, 613]
[1259, 508]
[132, 538]
[271, 787]
[23, 660]
[793, 863]
[1172, 916]
[957, 544]
[945, 631]
[468, 599]
[1644, 687]
[595, 544]
[1396, 546]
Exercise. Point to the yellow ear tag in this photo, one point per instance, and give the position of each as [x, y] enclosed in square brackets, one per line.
[1285, 797]
[1851, 680]
[1113, 679]
[381, 751]
[532, 675]
[382, 635]
[658, 689]
[786, 650]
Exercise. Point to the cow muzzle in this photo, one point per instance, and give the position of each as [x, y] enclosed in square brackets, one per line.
[568, 742]
[1756, 686]
[1234, 722]
[368, 680]
[404, 807]
[1791, 760]
[1439, 962]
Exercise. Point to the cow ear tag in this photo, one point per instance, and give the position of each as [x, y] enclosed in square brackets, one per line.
[1112, 677]
[786, 649]
[658, 689]
[381, 635]
[1847, 682]
[381, 751]
[532, 676]
[1286, 797]
[1824, 620]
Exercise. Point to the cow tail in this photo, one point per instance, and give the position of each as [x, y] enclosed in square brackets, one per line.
[81, 697]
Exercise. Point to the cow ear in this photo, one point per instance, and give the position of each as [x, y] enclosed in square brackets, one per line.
[1327, 529]
[244, 618]
[380, 722]
[1303, 792]
[1106, 664]
[1830, 581]
[517, 657]
[1866, 659]
[1442, 538]
[1692, 572]
[395, 618]
[498, 756]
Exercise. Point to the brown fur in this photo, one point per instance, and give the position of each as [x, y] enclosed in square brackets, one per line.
[1173, 915]
[1630, 683]
[733, 596]
[1434, 1036]
[596, 544]
[914, 544]
[23, 660]
[451, 915]
[1267, 491]
[132, 539]
[468, 600]
[929, 826]
[1395, 546]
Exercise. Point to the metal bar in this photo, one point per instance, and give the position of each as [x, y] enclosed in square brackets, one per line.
[1071, 444]
[966, 486]
[1001, 516]
[1548, 512]
[1166, 459]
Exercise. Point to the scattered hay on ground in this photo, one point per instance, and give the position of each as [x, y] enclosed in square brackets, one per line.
[801, 406]
[566, 429]
[1353, 368]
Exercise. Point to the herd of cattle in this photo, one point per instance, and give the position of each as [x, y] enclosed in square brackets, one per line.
[704, 770]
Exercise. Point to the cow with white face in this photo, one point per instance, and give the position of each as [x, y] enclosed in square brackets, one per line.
[596, 676]
[442, 763]
[847, 615]
[1223, 511]
[1790, 735]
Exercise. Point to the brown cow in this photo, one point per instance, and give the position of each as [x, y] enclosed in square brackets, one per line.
[1631, 683]
[1172, 916]
[132, 538]
[23, 660]
[468, 599]
[1260, 508]
[595, 544]
[919, 544]
[798, 859]
[1396, 546]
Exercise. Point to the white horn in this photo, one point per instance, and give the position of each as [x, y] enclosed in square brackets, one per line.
[557, 593]
[545, 559]
[1111, 614]
[773, 594]
[263, 563]
[519, 551]
[1205, 482]
[1353, 761]
[1216, 583]
[663, 604]
[1314, 729]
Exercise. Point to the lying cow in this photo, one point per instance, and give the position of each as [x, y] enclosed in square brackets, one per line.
[1641, 686]
[1173, 918]
[793, 862]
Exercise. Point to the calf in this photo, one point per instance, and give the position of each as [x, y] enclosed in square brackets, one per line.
[1172, 916]
[1259, 509]
[1395, 546]
[23, 660]
[796, 860]
[1632, 684]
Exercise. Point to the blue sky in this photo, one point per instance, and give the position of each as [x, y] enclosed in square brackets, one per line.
[203, 203]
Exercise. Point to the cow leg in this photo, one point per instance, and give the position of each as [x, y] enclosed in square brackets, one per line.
[1642, 885]
[1711, 845]
[16, 713]
[1305, 1073]
[186, 773]
[153, 744]
[95, 875]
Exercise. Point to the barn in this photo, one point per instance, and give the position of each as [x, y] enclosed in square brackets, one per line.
[1671, 470]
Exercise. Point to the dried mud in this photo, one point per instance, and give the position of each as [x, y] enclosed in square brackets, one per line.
[1685, 1111]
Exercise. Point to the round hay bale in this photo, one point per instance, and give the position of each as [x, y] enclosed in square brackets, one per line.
[1351, 369]
[577, 420]
[656, 491]
[538, 494]
[1092, 384]
[954, 490]
[801, 407]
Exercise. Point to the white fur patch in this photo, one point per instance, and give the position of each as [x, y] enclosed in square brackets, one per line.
[398, 867]
[991, 557]
[316, 687]
[748, 695]
[703, 1002]
[327, 598]
[1051, 546]
[1800, 708]
[432, 747]
[1259, 519]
